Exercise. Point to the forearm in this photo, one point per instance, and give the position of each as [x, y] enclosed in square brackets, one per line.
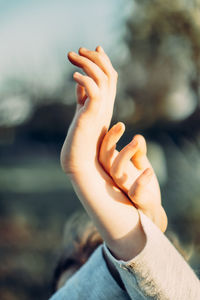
[112, 213]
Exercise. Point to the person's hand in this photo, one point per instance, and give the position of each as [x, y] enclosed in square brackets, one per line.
[95, 99]
[112, 212]
[132, 172]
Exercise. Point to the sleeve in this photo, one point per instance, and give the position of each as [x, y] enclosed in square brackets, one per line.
[158, 271]
[92, 281]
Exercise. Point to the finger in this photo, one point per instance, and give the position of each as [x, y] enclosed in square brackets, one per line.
[163, 220]
[136, 192]
[91, 89]
[108, 145]
[81, 94]
[139, 159]
[90, 68]
[100, 50]
[139, 196]
[100, 58]
[122, 159]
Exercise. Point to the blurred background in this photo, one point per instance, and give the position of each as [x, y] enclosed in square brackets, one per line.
[155, 47]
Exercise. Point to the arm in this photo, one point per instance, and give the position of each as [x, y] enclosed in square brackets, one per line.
[111, 211]
[115, 216]
[158, 271]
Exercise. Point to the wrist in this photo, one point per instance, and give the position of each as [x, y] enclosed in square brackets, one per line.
[113, 214]
[130, 245]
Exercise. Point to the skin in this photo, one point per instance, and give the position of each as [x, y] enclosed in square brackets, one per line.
[133, 173]
[97, 186]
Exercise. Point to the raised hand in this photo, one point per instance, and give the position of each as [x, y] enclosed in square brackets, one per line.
[113, 213]
[132, 172]
[95, 99]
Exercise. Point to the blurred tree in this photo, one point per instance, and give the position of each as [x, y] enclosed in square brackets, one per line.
[160, 78]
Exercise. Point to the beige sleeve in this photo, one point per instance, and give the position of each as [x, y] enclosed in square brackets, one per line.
[159, 271]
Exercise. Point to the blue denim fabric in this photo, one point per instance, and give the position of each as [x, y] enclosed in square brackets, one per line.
[92, 281]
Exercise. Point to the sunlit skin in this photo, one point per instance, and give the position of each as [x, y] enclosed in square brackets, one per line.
[110, 201]
[131, 170]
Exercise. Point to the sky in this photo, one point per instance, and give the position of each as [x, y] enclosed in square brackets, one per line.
[35, 36]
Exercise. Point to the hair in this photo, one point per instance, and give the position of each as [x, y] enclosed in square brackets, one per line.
[80, 240]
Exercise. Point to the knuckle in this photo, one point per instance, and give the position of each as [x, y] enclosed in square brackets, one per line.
[103, 79]
[103, 76]
[113, 74]
[89, 83]
[128, 148]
